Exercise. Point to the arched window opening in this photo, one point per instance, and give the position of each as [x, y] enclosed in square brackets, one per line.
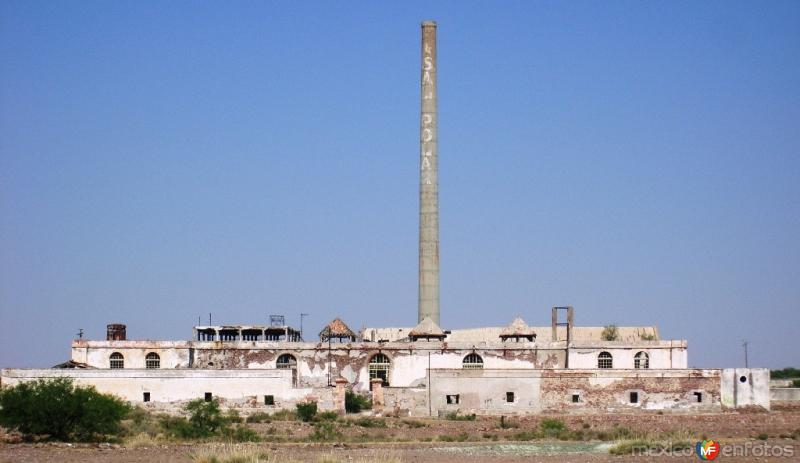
[379, 368]
[472, 362]
[116, 361]
[604, 360]
[641, 360]
[152, 361]
[286, 361]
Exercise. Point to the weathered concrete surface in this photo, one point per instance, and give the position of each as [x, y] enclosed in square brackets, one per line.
[491, 334]
[484, 391]
[742, 387]
[175, 385]
[610, 390]
[784, 394]
[429, 180]
[481, 391]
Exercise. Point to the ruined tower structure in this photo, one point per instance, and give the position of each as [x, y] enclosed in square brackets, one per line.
[428, 181]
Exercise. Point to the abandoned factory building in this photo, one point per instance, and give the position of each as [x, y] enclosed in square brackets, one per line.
[421, 370]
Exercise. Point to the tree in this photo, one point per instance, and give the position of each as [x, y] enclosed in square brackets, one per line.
[61, 410]
[205, 417]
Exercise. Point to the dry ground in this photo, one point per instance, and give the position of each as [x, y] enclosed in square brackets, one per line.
[426, 440]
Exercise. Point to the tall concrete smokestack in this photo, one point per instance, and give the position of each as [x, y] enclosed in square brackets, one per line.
[428, 181]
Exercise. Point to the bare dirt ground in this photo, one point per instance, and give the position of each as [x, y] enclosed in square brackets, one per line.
[418, 440]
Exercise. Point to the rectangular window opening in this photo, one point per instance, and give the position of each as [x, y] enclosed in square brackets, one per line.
[509, 397]
[698, 396]
[634, 397]
[208, 397]
[146, 397]
[576, 398]
[453, 399]
[269, 400]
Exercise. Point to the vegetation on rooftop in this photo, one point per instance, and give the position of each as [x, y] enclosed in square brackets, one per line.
[610, 333]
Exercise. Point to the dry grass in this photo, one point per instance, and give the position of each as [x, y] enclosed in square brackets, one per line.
[243, 453]
[143, 440]
[637, 443]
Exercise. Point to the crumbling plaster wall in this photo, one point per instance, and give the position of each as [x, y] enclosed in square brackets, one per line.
[663, 354]
[609, 390]
[173, 354]
[484, 391]
[174, 385]
[409, 361]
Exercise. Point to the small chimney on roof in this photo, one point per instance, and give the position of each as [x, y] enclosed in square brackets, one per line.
[115, 332]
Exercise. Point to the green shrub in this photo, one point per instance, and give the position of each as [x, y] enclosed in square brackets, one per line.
[367, 422]
[327, 416]
[414, 423]
[454, 416]
[325, 432]
[621, 432]
[763, 436]
[306, 411]
[60, 410]
[610, 333]
[796, 383]
[233, 417]
[525, 435]
[205, 417]
[176, 426]
[551, 426]
[241, 434]
[354, 403]
[259, 417]
[284, 415]
[204, 420]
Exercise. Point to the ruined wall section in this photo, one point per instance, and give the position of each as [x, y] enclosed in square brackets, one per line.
[609, 390]
[172, 354]
[661, 354]
[317, 366]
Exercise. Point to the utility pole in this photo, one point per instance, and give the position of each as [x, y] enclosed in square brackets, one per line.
[744, 344]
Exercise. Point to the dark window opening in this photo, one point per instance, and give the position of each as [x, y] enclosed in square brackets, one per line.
[634, 397]
[576, 398]
[146, 397]
[116, 361]
[604, 360]
[379, 368]
[509, 397]
[269, 400]
[743, 379]
[453, 399]
[208, 397]
[698, 396]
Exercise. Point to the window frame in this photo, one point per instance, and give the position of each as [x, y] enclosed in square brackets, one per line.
[116, 361]
[639, 358]
[152, 361]
[605, 361]
[472, 361]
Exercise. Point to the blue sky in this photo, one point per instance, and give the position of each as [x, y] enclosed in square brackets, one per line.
[163, 160]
